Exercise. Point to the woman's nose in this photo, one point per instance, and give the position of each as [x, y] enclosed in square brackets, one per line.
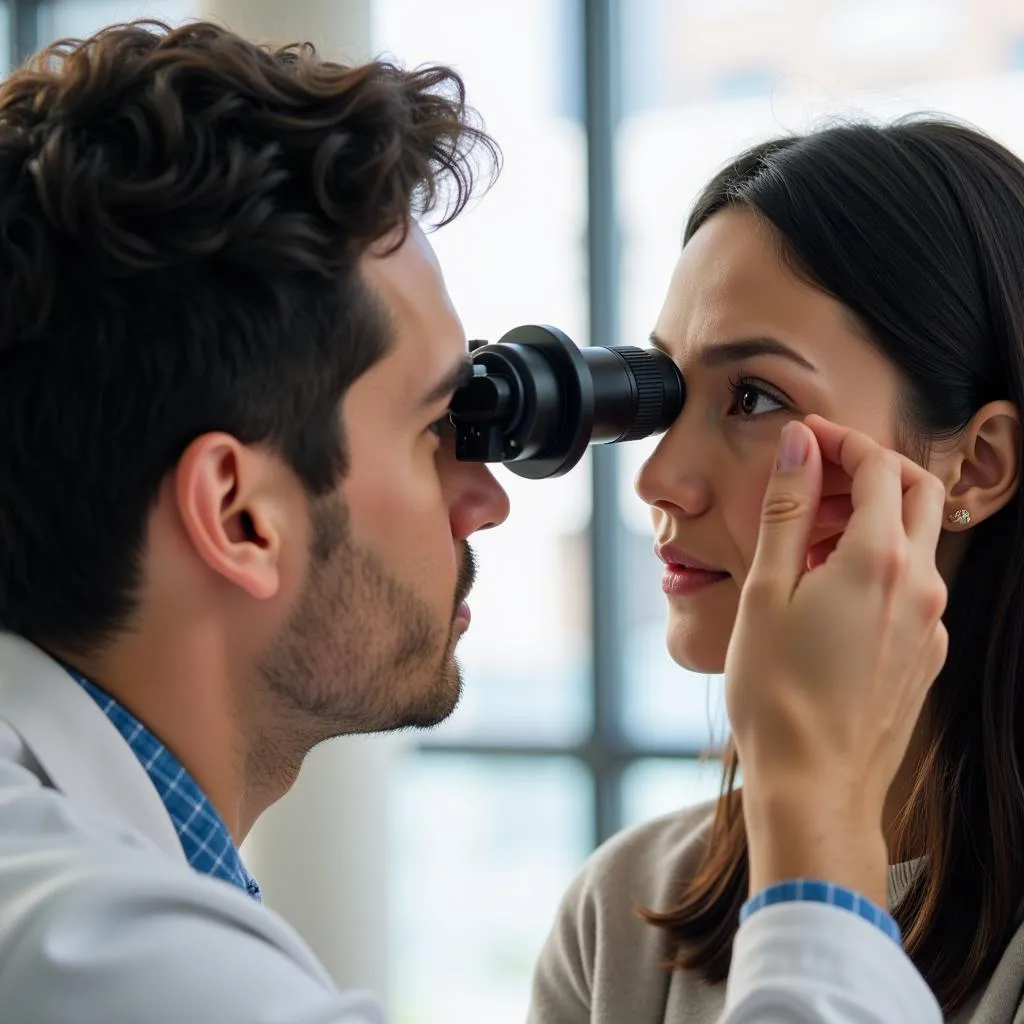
[673, 480]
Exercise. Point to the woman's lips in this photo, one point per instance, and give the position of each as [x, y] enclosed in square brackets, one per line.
[675, 556]
[683, 580]
[685, 574]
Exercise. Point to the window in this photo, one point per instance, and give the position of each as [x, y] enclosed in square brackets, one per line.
[79, 19]
[575, 722]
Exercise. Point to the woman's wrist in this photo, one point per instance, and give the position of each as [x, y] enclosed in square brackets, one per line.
[813, 832]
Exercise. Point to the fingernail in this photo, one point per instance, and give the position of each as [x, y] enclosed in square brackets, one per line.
[792, 446]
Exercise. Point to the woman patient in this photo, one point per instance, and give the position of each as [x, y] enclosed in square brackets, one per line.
[875, 276]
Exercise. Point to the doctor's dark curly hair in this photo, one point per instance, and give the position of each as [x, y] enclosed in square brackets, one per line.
[181, 218]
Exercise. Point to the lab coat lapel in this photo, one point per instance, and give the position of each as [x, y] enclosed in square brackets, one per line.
[77, 746]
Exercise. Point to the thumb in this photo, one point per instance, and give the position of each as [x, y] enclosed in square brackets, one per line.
[789, 510]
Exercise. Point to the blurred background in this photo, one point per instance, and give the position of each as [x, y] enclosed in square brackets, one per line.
[429, 866]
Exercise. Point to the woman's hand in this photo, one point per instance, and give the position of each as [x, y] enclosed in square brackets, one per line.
[828, 668]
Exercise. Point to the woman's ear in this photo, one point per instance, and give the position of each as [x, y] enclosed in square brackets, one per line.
[981, 471]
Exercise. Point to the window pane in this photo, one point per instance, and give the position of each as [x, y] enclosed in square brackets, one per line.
[700, 84]
[657, 786]
[517, 257]
[5, 37]
[482, 851]
[81, 18]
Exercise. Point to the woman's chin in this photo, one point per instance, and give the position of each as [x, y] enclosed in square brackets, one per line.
[697, 650]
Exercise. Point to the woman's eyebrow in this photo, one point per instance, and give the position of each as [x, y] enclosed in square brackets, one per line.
[742, 348]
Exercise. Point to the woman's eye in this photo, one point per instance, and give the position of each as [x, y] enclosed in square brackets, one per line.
[750, 400]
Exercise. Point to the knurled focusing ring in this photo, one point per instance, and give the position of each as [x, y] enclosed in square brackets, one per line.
[650, 386]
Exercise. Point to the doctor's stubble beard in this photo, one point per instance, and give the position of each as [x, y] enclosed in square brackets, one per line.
[362, 652]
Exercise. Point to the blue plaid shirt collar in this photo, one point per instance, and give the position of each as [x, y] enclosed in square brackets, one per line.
[204, 837]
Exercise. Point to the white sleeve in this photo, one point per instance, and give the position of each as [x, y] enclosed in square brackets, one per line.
[811, 963]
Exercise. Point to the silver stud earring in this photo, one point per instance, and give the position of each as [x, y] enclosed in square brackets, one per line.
[960, 517]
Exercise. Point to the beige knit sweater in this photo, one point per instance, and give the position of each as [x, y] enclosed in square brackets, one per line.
[601, 964]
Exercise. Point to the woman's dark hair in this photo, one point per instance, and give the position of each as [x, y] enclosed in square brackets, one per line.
[182, 215]
[918, 229]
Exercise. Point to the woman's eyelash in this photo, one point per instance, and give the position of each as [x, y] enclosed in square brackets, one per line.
[742, 386]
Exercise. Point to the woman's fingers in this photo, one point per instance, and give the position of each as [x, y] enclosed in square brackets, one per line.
[847, 447]
[895, 519]
[874, 539]
[844, 451]
[818, 553]
[924, 504]
[834, 511]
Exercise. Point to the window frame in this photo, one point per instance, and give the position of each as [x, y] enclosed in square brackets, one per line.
[23, 20]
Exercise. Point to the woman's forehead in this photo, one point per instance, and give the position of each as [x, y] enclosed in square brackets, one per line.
[731, 281]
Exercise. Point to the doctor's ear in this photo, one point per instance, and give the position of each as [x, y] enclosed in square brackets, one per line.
[981, 472]
[227, 497]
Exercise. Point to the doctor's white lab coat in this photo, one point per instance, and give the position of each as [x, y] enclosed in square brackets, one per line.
[102, 921]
